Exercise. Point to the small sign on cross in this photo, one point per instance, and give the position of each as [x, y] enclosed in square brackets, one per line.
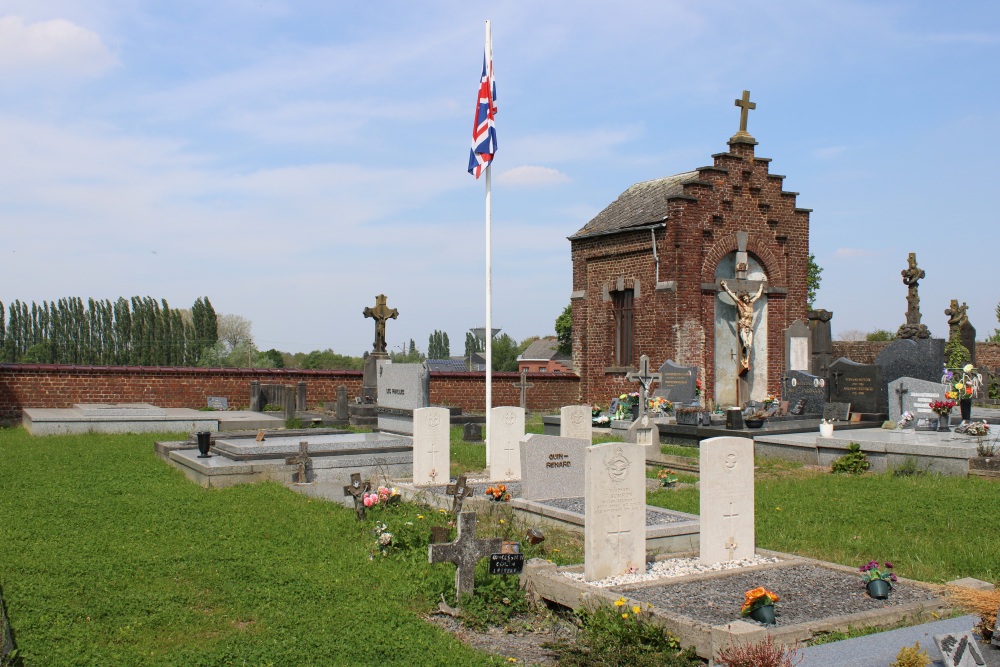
[357, 489]
[464, 552]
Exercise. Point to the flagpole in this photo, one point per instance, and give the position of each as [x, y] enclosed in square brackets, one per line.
[489, 278]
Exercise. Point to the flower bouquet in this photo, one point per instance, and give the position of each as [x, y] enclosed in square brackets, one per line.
[963, 385]
[383, 497]
[498, 493]
[878, 579]
[759, 605]
[660, 404]
[769, 400]
[904, 419]
[667, 478]
[943, 410]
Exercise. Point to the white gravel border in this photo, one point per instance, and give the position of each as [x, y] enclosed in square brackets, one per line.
[674, 567]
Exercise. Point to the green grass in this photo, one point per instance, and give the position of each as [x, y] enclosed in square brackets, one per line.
[109, 556]
[933, 528]
[679, 450]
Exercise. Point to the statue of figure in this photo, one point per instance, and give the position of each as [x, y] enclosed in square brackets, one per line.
[380, 313]
[956, 318]
[744, 302]
[911, 277]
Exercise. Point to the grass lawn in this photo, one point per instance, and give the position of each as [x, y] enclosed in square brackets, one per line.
[108, 556]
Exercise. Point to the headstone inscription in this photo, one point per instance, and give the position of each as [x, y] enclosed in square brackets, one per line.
[797, 350]
[464, 552]
[507, 429]
[431, 445]
[919, 358]
[677, 383]
[303, 461]
[218, 402]
[643, 431]
[913, 395]
[402, 388]
[615, 514]
[801, 386]
[727, 500]
[458, 492]
[959, 649]
[506, 563]
[551, 466]
[860, 385]
[356, 490]
[575, 422]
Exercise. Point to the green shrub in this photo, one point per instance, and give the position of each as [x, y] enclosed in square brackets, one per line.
[911, 656]
[271, 407]
[854, 461]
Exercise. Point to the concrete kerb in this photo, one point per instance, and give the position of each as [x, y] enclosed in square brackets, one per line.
[545, 580]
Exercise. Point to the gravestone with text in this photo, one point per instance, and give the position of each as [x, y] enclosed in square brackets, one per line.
[801, 386]
[506, 431]
[913, 395]
[677, 383]
[861, 385]
[615, 521]
[798, 352]
[402, 388]
[551, 466]
[575, 422]
[727, 500]
[431, 446]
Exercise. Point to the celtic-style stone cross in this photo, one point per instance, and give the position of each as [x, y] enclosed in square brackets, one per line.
[464, 552]
[911, 278]
[458, 491]
[302, 460]
[380, 313]
[357, 489]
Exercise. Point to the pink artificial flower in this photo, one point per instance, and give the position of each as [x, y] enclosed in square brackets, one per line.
[367, 500]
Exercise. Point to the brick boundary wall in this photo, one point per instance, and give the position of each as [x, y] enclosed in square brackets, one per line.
[62, 386]
[865, 352]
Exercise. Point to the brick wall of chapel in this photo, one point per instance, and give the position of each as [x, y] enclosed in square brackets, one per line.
[736, 193]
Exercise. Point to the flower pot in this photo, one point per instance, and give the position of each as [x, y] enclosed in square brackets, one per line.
[944, 422]
[204, 443]
[826, 430]
[965, 405]
[764, 614]
[878, 589]
[635, 412]
[754, 423]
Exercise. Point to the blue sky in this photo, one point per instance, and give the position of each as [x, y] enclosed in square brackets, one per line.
[291, 160]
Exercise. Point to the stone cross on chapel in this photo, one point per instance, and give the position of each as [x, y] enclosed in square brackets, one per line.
[645, 378]
[745, 107]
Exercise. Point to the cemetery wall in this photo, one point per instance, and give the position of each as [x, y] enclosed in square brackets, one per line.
[62, 386]
[865, 352]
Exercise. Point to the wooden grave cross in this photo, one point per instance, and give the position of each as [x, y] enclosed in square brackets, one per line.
[464, 552]
[357, 489]
[302, 460]
[458, 491]
[645, 378]
[524, 386]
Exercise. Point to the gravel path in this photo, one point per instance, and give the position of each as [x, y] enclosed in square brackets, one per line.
[808, 593]
[578, 505]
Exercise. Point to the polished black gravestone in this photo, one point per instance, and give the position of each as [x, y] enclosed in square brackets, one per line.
[861, 385]
[677, 383]
[799, 386]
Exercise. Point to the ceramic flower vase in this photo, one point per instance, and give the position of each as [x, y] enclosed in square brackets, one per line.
[204, 444]
[878, 589]
[965, 405]
[764, 614]
[944, 422]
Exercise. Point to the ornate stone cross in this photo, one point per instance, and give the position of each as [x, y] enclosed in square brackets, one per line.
[745, 107]
[464, 552]
[302, 460]
[357, 489]
[458, 491]
[380, 313]
[645, 378]
[524, 386]
[911, 278]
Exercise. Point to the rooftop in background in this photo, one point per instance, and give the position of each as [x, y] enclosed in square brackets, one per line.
[642, 204]
[543, 356]
[453, 365]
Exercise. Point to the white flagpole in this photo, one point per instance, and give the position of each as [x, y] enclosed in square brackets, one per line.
[489, 278]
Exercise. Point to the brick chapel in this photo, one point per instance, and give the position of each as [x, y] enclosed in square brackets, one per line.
[648, 274]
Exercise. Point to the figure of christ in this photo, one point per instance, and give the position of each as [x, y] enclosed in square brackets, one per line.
[744, 302]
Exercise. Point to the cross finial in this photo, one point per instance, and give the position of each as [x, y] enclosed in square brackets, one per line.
[745, 106]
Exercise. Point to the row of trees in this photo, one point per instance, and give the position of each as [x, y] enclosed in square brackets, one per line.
[139, 331]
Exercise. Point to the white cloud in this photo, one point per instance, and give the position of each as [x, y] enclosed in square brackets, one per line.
[55, 46]
[532, 176]
[828, 152]
[850, 253]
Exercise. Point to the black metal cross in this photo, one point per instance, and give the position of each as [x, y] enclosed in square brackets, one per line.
[358, 489]
[458, 491]
[464, 552]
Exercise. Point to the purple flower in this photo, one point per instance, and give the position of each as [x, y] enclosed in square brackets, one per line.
[863, 568]
[888, 565]
[892, 577]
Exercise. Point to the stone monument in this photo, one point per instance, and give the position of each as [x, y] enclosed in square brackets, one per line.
[615, 524]
[380, 313]
[911, 278]
[727, 500]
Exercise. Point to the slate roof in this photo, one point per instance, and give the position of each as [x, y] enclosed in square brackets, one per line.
[642, 204]
[446, 365]
[545, 349]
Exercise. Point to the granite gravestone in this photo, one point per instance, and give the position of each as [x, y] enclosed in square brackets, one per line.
[431, 446]
[861, 385]
[967, 334]
[959, 649]
[836, 412]
[677, 383]
[472, 432]
[920, 358]
[821, 342]
[551, 466]
[798, 354]
[913, 395]
[506, 431]
[800, 386]
[575, 422]
[615, 514]
[727, 500]
[402, 388]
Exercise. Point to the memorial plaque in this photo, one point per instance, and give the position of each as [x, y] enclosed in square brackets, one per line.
[506, 563]
[861, 385]
[959, 649]
[810, 390]
[218, 402]
[677, 383]
[797, 352]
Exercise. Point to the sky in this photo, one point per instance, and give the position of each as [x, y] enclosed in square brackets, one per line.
[291, 160]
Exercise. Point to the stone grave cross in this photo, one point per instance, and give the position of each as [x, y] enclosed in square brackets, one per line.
[911, 278]
[745, 107]
[357, 489]
[458, 491]
[380, 313]
[524, 386]
[302, 460]
[645, 378]
[464, 552]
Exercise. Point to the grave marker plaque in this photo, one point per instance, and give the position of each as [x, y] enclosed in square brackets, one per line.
[959, 649]
[860, 385]
[551, 466]
[801, 386]
[677, 383]
[506, 563]
[218, 402]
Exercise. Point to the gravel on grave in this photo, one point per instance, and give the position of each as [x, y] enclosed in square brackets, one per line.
[578, 505]
[807, 593]
[672, 567]
[479, 487]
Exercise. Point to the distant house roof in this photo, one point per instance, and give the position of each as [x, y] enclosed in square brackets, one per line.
[642, 204]
[446, 365]
[545, 349]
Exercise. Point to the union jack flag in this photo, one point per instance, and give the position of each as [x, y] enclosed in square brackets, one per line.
[484, 134]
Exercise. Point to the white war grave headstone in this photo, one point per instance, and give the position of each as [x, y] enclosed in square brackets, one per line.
[575, 421]
[431, 446]
[506, 431]
[727, 500]
[552, 466]
[615, 515]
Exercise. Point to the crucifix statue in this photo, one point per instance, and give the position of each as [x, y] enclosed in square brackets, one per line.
[744, 302]
[380, 313]
[645, 378]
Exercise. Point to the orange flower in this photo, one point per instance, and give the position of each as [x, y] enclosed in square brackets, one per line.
[752, 596]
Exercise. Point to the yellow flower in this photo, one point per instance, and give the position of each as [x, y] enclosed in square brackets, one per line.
[420, 516]
[443, 511]
[959, 386]
[968, 368]
[778, 508]
[501, 520]
[636, 610]
[555, 551]
[620, 602]
[624, 615]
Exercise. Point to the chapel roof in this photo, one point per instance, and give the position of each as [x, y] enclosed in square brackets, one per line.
[642, 204]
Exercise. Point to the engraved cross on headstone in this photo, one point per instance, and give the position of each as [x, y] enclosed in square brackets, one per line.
[645, 378]
[464, 552]
[524, 386]
[900, 391]
[618, 534]
[745, 106]
[357, 489]
[731, 542]
[458, 491]
[302, 460]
